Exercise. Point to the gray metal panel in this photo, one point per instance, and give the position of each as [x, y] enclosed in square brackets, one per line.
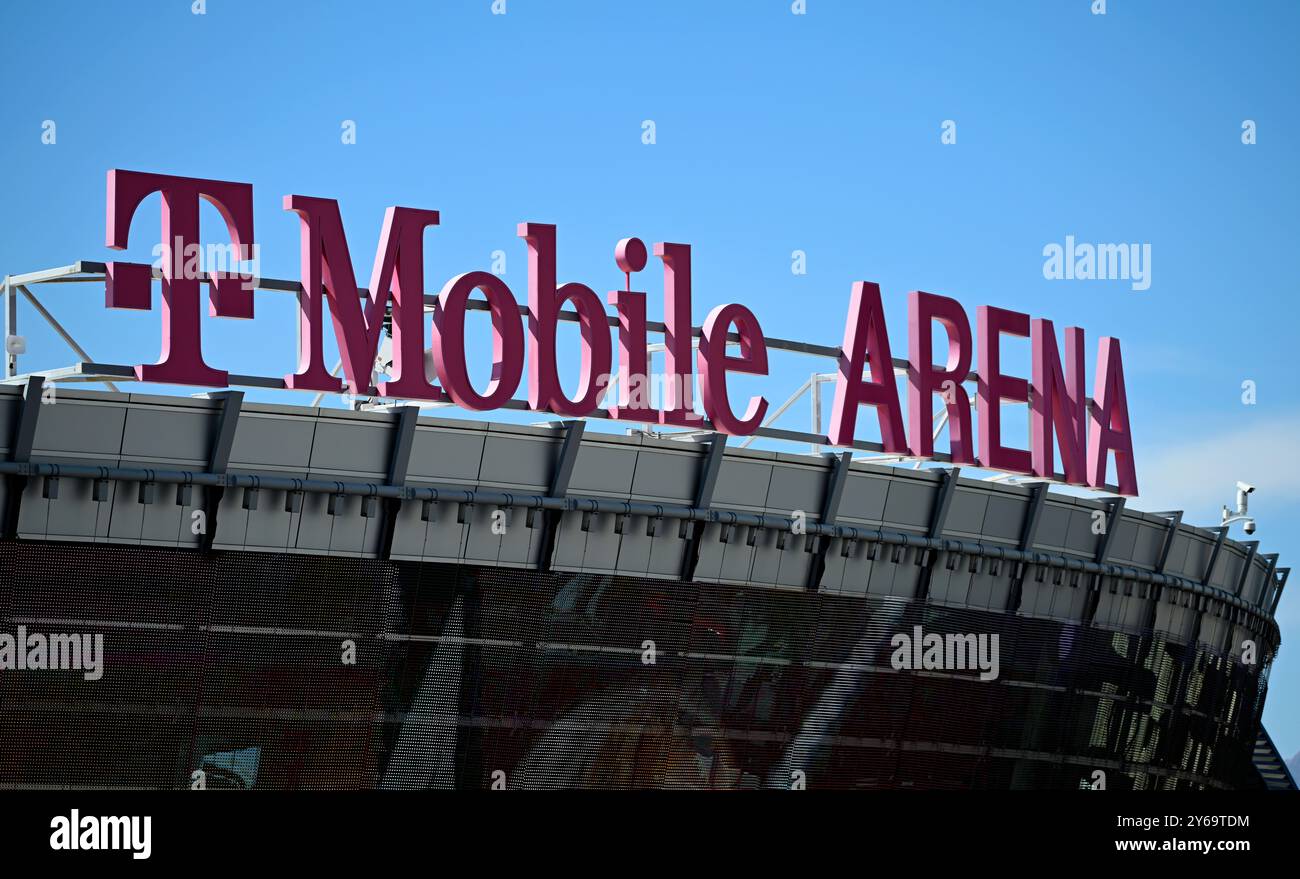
[796, 488]
[910, 503]
[1005, 517]
[77, 427]
[864, 497]
[355, 446]
[604, 469]
[264, 441]
[525, 462]
[157, 433]
[668, 476]
[446, 455]
[1126, 532]
[1054, 526]
[966, 515]
[743, 483]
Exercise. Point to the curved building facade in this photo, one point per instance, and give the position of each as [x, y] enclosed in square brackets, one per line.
[314, 598]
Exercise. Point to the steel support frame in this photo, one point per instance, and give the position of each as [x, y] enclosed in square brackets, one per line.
[223, 440]
[1093, 599]
[705, 482]
[91, 271]
[565, 461]
[405, 420]
[938, 520]
[1028, 534]
[21, 444]
[836, 478]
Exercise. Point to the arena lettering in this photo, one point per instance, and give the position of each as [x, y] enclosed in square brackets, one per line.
[1088, 432]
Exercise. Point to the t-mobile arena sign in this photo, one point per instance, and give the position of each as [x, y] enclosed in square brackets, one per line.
[1087, 431]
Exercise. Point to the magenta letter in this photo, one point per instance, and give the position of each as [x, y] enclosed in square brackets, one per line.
[449, 341]
[1058, 399]
[715, 363]
[128, 283]
[544, 303]
[866, 342]
[994, 387]
[327, 272]
[924, 380]
[679, 375]
[1110, 428]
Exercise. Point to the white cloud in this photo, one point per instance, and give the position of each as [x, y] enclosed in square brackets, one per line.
[1199, 474]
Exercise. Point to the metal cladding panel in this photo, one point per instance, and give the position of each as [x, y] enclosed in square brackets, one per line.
[1083, 537]
[910, 503]
[1148, 541]
[666, 476]
[601, 469]
[1254, 591]
[635, 547]
[864, 497]
[833, 572]
[267, 527]
[74, 515]
[1212, 631]
[446, 455]
[1227, 570]
[1049, 601]
[1194, 555]
[482, 541]
[989, 592]
[767, 558]
[794, 564]
[1005, 517]
[1122, 544]
[666, 553]
[169, 433]
[347, 446]
[796, 488]
[1115, 610]
[347, 532]
[520, 544]
[439, 539]
[593, 550]
[708, 568]
[601, 550]
[1175, 621]
[1054, 524]
[966, 515]
[743, 484]
[85, 429]
[522, 461]
[270, 442]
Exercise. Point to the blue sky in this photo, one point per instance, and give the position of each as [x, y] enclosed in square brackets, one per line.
[774, 132]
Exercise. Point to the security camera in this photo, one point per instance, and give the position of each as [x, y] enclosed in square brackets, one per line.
[1246, 487]
[1249, 526]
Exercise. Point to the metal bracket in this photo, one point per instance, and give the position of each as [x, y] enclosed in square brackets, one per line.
[710, 467]
[21, 453]
[223, 441]
[938, 519]
[1028, 534]
[559, 487]
[836, 479]
[399, 459]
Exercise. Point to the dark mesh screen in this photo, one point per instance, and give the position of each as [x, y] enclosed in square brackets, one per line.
[294, 671]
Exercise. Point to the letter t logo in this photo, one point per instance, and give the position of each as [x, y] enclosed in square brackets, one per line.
[128, 283]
